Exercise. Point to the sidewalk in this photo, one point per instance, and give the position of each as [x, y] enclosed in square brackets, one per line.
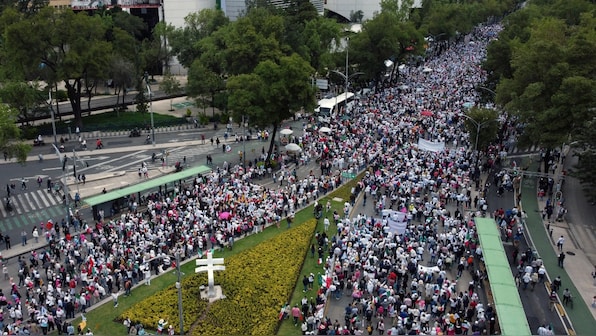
[576, 274]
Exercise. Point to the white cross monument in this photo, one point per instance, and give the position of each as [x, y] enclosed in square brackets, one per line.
[209, 265]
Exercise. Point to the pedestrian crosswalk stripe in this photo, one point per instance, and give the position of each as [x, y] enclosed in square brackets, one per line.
[38, 203]
[43, 196]
[29, 202]
[15, 206]
[24, 206]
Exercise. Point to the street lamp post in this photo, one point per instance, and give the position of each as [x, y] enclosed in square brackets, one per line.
[487, 89]
[53, 117]
[347, 63]
[65, 184]
[179, 287]
[244, 125]
[346, 76]
[478, 127]
[150, 107]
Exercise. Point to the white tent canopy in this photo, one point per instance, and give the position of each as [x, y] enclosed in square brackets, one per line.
[292, 147]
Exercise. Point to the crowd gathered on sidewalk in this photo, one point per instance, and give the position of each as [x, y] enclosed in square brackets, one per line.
[381, 271]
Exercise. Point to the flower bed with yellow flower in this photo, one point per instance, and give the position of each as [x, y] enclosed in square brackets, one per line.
[256, 284]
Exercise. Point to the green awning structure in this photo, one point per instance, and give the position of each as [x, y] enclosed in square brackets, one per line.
[147, 185]
[508, 305]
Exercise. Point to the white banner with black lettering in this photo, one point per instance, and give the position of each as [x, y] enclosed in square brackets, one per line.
[430, 145]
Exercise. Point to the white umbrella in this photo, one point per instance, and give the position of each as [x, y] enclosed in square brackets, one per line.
[427, 69]
[292, 147]
[325, 129]
[286, 131]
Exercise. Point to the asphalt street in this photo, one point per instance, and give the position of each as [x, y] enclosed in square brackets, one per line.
[34, 205]
[535, 301]
[128, 158]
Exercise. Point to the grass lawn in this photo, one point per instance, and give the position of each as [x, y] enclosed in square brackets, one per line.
[112, 121]
[101, 320]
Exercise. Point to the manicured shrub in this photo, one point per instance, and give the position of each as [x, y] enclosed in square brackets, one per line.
[256, 283]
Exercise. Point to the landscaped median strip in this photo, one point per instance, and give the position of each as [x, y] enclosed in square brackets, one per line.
[99, 314]
[256, 283]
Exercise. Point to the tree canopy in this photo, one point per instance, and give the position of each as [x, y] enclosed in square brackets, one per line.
[10, 135]
[544, 70]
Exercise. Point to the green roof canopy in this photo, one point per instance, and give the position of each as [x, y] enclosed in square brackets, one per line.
[147, 185]
[508, 305]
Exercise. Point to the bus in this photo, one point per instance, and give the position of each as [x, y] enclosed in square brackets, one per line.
[327, 107]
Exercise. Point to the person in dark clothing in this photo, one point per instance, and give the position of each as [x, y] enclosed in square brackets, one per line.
[561, 259]
[7, 241]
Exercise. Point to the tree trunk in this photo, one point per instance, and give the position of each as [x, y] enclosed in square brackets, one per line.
[89, 95]
[213, 104]
[74, 96]
[271, 145]
[117, 92]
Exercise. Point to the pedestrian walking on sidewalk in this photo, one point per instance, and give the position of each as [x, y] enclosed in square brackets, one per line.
[7, 241]
[35, 234]
[566, 296]
[556, 284]
[115, 299]
[561, 259]
[24, 238]
[560, 243]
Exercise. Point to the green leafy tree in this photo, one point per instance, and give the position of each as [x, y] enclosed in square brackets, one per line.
[272, 93]
[386, 36]
[546, 86]
[10, 135]
[252, 39]
[122, 72]
[184, 42]
[23, 97]
[585, 149]
[171, 86]
[66, 44]
[318, 35]
[482, 125]
[203, 81]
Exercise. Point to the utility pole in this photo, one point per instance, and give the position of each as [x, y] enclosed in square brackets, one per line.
[179, 287]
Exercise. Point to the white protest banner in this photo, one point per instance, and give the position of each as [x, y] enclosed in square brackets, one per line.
[396, 220]
[430, 146]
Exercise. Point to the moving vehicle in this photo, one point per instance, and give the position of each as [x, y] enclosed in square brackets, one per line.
[329, 106]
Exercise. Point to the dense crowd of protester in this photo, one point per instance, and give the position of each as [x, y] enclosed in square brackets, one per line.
[381, 271]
